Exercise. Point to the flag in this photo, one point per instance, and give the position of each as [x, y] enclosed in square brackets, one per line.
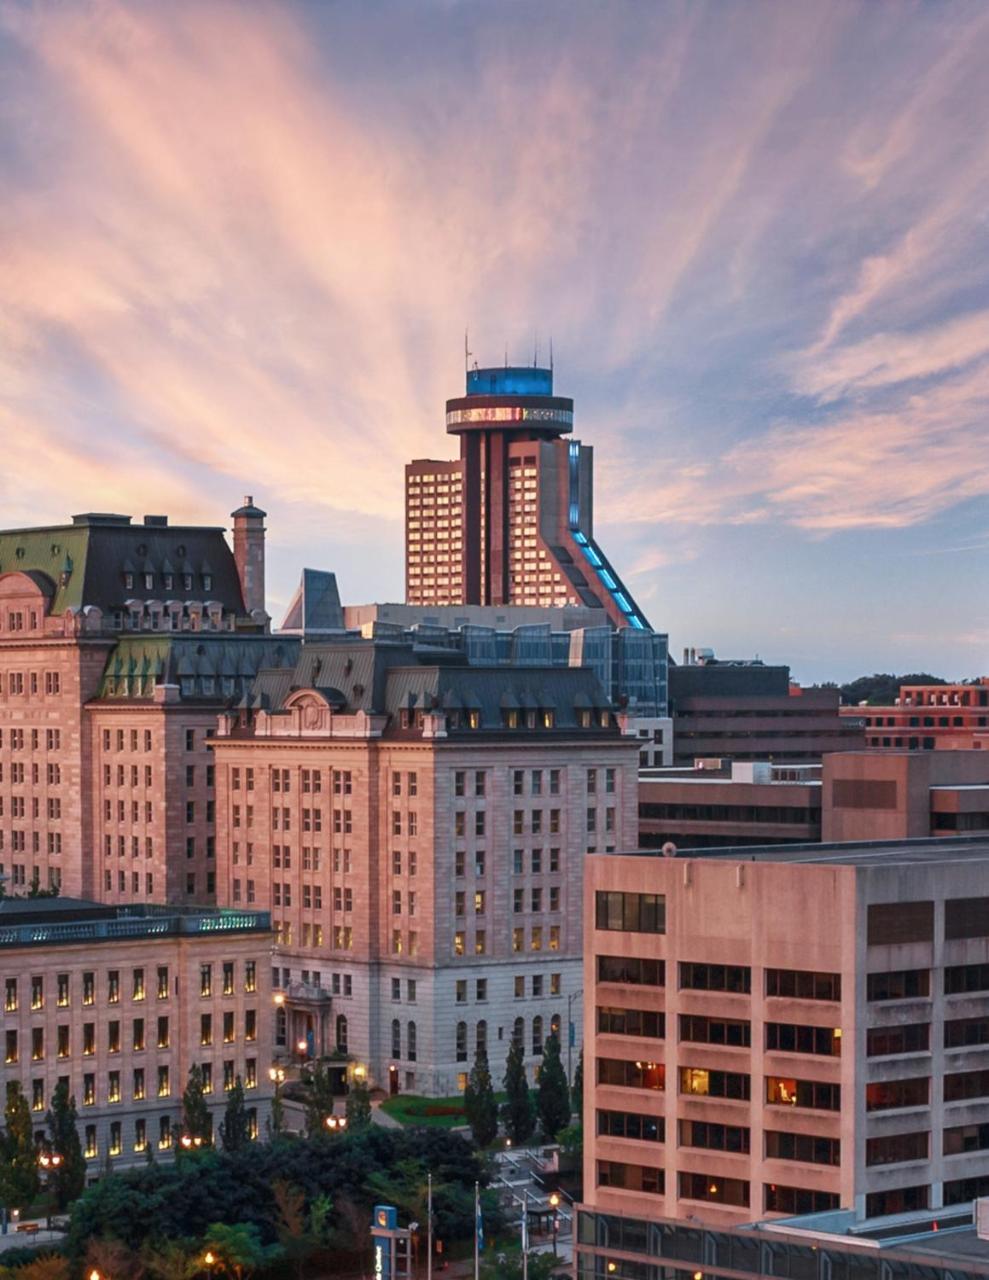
[479, 1220]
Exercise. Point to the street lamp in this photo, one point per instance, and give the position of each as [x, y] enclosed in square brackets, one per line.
[49, 1163]
[336, 1124]
[189, 1141]
[554, 1201]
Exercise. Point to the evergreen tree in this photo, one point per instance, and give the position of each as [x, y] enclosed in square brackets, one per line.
[577, 1088]
[19, 1182]
[358, 1107]
[196, 1120]
[517, 1113]
[319, 1100]
[553, 1093]
[235, 1131]
[480, 1106]
[68, 1181]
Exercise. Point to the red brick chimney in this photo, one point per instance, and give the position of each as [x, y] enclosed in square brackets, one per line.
[249, 553]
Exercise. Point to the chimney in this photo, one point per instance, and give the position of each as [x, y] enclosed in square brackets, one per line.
[249, 553]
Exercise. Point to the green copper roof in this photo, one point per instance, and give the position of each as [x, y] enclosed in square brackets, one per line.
[45, 551]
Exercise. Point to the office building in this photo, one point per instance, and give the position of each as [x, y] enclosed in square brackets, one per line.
[730, 804]
[120, 1002]
[851, 795]
[933, 717]
[780, 1031]
[814, 1246]
[417, 827]
[119, 644]
[510, 522]
[748, 711]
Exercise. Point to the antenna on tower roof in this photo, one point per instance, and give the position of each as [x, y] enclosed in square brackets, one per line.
[551, 353]
[466, 352]
[535, 358]
[506, 355]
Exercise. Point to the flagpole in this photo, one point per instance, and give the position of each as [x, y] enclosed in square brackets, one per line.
[477, 1222]
[525, 1234]
[429, 1226]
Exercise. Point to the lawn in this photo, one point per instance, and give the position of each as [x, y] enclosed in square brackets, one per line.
[436, 1113]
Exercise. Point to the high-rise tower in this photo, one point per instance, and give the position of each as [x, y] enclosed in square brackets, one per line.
[511, 520]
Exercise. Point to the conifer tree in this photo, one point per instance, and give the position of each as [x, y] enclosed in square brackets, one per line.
[553, 1093]
[517, 1112]
[480, 1105]
[68, 1180]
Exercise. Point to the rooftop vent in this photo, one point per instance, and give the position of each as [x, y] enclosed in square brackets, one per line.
[156, 522]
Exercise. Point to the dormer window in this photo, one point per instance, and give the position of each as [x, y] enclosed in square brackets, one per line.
[511, 718]
[149, 581]
[187, 582]
[605, 719]
[169, 581]
[548, 718]
[473, 719]
[207, 582]
[129, 581]
[585, 719]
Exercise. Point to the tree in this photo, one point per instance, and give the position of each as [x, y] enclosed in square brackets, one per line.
[238, 1249]
[480, 1106]
[517, 1113]
[358, 1107]
[170, 1260]
[577, 1088]
[196, 1120]
[553, 1093]
[113, 1258]
[19, 1182]
[319, 1100]
[68, 1181]
[235, 1131]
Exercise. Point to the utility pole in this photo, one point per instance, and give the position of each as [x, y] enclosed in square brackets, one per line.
[429, 1226]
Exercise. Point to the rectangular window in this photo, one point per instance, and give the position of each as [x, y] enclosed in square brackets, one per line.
[963, 1085]
[805, 1147]
[630, 912]
[631, 1075]
[897, 1148]
[803, 984]
[890, 1095]
[631, 1177]
[727, 1031]
[715, 1190]
[631, 1022]
[966, 918]
[716, 977]
[908, 1037]
[786, 1037]
[632, 971]
[714, 1137]
[900, 984]
[787, 1091]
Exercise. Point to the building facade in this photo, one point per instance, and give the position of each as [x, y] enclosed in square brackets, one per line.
[785, 1031]
[510, 522]
[929, 718]
[121, 1003]
[747, 711]
[119, 644]
[418, 827]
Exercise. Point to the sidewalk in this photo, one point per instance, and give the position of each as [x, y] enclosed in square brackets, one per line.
[15, 1239]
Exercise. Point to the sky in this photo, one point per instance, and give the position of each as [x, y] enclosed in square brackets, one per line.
[240, 244]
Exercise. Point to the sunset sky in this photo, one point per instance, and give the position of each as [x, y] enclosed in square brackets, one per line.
[240, 242]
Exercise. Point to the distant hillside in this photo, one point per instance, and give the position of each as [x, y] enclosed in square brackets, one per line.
[882, 689]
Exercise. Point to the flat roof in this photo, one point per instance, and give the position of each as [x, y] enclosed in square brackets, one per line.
[869, 853]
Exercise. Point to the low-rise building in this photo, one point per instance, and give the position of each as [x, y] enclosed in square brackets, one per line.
[120, 1002]
[787, 1030]
[932, 717]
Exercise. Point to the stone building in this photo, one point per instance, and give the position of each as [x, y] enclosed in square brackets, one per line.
[120, 1002]
[417, 828]
[119, 644]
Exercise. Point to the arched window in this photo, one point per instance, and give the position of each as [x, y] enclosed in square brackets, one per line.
[518, 1033]
[341, 1033]
[461, 1041]
[554, 1025]
[482, 1037]
[537, 1034]
[396, 1038]
[411, 1042]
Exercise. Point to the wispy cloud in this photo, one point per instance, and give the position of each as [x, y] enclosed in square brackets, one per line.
[239, 244]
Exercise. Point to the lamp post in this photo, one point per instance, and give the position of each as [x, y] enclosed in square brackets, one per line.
[571, 1035]
[554, 1201]
[336, 1124]
[49, 1162]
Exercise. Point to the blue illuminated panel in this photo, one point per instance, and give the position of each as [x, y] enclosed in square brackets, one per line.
[510, 382]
